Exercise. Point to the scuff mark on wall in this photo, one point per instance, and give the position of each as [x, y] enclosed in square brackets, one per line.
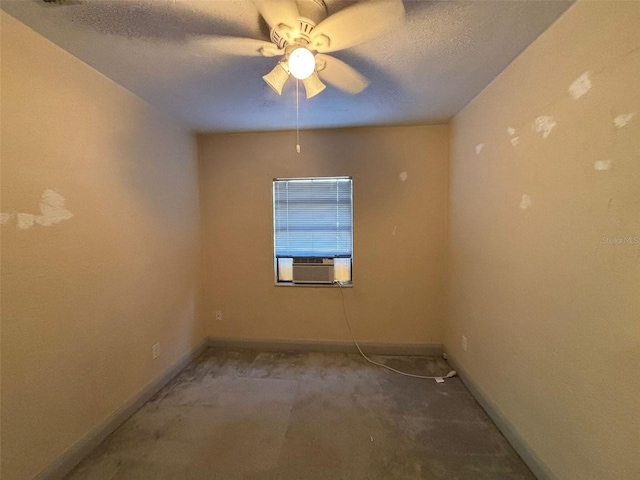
[515, 141]
[479, 148]
[395, 229]
[403, 176]
[511, 131]
[544, 124]
[602, 165]
[623, 119]
[52, 211]
[525, 202]
[580, 86]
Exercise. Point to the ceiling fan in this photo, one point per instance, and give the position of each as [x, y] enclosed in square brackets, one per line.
[302, 34]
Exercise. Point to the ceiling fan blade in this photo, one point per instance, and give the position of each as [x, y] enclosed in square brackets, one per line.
[276, 12]
[356, 24]
[340, 75]
[247, 47]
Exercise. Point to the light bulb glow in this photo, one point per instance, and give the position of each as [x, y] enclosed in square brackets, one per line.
[302, 63]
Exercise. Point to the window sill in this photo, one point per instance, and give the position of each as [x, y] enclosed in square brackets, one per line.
[313, 285]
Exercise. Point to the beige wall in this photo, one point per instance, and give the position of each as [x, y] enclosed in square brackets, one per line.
[84, 299]
[399, 234]
[550, 308]
[547, 298]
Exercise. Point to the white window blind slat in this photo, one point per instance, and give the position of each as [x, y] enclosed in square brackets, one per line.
[313, 217]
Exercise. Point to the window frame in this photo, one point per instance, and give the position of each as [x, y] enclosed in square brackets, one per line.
[290, 283]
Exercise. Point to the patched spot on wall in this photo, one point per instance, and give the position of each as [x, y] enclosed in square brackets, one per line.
[525, 201]
[25, 220]
[52, 211]
[623, 119]
[515, 140]
[580, 86]
[544, 124]
[403, 176]
[602, 165]
[5, 218]
[479, 148]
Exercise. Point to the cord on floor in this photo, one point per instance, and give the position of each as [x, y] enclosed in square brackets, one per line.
[451, 373]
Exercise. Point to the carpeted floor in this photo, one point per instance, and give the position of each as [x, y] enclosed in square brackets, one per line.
[247, 415]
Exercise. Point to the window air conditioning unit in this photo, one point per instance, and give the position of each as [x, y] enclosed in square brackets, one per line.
[313, 270]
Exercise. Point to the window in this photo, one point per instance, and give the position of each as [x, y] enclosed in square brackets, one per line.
[313, 234]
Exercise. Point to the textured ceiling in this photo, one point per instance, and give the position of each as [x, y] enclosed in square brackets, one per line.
[425, 72]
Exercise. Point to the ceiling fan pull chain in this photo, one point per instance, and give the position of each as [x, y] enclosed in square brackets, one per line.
[297, 116]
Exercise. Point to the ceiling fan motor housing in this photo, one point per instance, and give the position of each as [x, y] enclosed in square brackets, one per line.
[311, 13]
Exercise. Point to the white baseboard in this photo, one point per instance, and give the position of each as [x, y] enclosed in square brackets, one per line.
[519, 444]
[72, 457]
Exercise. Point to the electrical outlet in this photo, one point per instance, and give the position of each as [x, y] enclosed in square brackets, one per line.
[155, 350]
[464, 343]
[219, 315]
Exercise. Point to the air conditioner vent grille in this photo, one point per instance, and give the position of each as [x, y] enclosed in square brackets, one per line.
[313, 270]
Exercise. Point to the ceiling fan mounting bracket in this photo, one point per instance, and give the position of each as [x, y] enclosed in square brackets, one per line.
[284, 35]
[298, 30]
[281, 35]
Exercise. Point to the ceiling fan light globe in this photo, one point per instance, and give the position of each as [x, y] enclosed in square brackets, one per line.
[302, 63]
[313, 85]
[276, 78]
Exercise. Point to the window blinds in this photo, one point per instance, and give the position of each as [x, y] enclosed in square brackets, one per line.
[313, 217]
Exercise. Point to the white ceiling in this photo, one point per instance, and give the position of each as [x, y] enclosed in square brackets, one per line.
[427, 71]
